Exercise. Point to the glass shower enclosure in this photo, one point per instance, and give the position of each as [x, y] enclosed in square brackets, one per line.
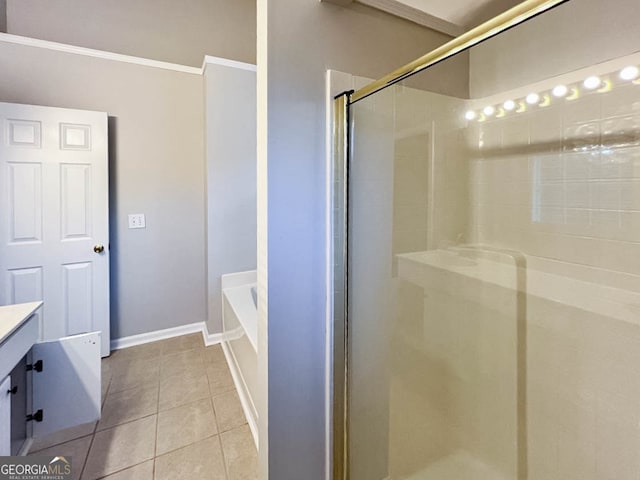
[487, 256]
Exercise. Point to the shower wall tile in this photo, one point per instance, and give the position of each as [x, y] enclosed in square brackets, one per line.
[543, 129]
[577, 165]
[515, 134]
[582, 387]
[562, 184]
[583, 110]
[575, 169]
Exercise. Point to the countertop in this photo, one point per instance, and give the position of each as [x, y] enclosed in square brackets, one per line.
[13, 316]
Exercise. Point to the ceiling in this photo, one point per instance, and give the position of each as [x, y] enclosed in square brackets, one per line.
[464, 13]
[452, 17]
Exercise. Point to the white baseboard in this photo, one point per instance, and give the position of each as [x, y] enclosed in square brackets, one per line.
[26, 446]
[243, 393]
[199, 327]
[212, 338]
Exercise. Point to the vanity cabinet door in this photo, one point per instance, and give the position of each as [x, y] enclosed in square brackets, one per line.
[5, 417]
[68, 389]
[18, 406]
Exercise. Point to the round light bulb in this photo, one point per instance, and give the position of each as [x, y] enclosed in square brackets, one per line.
[489, 110]
[592, 82]
[560, 91]
[470, 115]
[629, 73]
[533, 98]
[509, 105]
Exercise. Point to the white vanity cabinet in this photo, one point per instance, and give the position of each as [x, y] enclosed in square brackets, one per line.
[5, 416]
[62, 378]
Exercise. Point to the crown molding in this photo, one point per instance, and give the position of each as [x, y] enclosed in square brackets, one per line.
[118, 57]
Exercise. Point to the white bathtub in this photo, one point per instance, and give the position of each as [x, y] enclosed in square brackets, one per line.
[240, 344]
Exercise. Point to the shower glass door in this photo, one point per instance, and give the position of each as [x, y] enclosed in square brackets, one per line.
[494, 260]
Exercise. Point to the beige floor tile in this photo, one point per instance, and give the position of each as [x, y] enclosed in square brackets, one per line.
[105, 365]
[213, 354]
[62, 436]
[200, 461]
[182, 362]
[180, 390]
[220, 379]
[145, 351]
[106, 372]
[134, 373]
[240, 454]
[76, 449]
[185, 425]
[183, 342]
[229, 413]
[144, 471]
[124, 365]
[105, 390]
[121, 447]
[122, 407]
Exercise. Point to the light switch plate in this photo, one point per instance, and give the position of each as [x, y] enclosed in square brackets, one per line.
[137, 220]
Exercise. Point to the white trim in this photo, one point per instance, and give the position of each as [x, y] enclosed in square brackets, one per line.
[212, 338]
[225, 62]
[328, 340]
[117, 57]
[238, 279]
[142, 338]
[26, 446]
[243, 393]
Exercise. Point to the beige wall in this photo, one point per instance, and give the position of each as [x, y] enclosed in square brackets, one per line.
[231, 179]
[156, 166]
[178, 32]
[3, 16]
[305, 38]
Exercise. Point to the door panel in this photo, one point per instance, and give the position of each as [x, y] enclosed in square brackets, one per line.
[76, 201]
[25, 285]
[75, 137]
[24, 133]
[71, 371]
[53, 210]
[78, 302]
[25, 202]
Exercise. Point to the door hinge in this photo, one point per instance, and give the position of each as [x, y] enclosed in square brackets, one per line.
[35, 366]
[38, 416]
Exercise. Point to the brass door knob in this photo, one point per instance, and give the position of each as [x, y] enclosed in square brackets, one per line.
[98, 248]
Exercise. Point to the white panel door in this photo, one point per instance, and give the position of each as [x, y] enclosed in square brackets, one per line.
[68, 389]
[54, 219]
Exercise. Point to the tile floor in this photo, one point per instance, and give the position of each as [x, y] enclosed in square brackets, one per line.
[170, 411]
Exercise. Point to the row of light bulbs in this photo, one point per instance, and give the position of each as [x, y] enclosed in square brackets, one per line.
[629, 73]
